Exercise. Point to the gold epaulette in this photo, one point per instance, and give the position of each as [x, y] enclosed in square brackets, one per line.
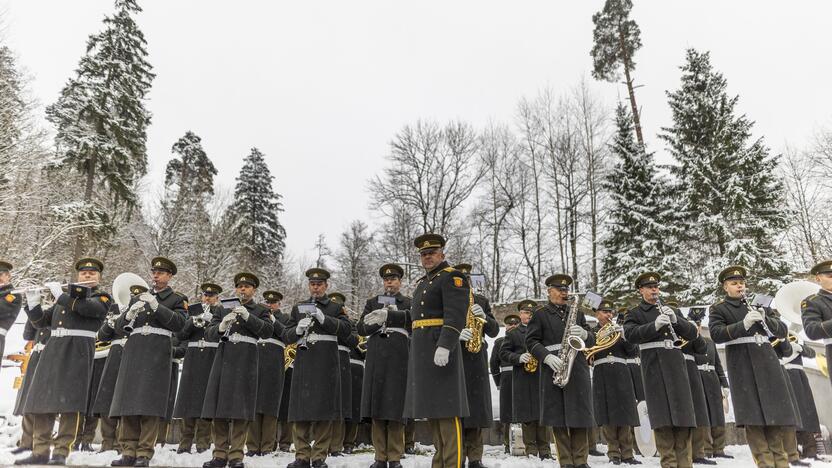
[449, 269]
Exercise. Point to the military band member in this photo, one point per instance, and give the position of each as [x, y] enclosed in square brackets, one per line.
[9, 303]
[315, 399]
[816, 309]
[525, 386]
[231, 394]
[567, 409]
[810, 425]
[37, 339]
[283, 439]
[357, 373]
[613, 395]
[117, 338]
[666, 385]
[783, 348]
[715, 386]
[63, 374]
[695, 352]
[385, 372]
[633, 362]
[439, 307]
[501, 370]
[199, 358]
[758, 387]
[140, 398]
[336, 446]
[262, 432]
[90, 421]
[477, 384]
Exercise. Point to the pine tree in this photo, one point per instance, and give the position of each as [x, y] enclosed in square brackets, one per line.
[640, 228]
[616, 38]
[727, 192]
[12, 108]
[100, 116]
[255, 209]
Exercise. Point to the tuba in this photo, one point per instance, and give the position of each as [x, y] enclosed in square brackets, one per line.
[569, 346]
[606, 338]
[475, 324]
[788, 299]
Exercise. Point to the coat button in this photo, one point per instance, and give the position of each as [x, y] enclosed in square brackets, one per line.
[423, 303]
[60, 323]
[63, 312]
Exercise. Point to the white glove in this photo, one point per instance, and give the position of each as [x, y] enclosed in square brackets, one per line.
[55, 288]
[751, 318]
[661, 321]
[206, 316]
[725, 392]
[669, 312]
[525, 358]
[466, 334]
[318, 315]
[553, 362]
[227, 321]
[242, 312]
[134, 310]
[150, 299]
[477, 310]
[577, 330]
[376, 317]
[303, 324]
[797, 348]
[441, 356]
[33, 297]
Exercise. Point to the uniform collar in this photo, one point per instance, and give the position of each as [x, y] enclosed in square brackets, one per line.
[164, 293]
[645, 306]
[324, 300]
[438, 269]
[734, 301]
[826, 293]
[6, 287]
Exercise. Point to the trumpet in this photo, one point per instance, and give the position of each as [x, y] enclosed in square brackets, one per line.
[43, 287]
[200, 322]
[677, 343]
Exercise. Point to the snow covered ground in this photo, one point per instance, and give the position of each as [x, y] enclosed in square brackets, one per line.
[494, 459]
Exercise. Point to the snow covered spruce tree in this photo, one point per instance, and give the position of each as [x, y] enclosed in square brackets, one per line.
[641, 228]
[185, 224]
[101, 119]
[255, 209]
[727, 193]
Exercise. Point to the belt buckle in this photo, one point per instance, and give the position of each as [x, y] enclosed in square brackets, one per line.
[235, 337]
[201, 344]
[668, 344]
[758, 338]
[312, 338]
[145, 330]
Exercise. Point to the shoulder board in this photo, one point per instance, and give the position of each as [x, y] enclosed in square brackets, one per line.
[449, 269]
[539, 308]
[718, 302]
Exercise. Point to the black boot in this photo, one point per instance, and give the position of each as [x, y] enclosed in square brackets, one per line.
[410, 450]
[123, 461]
[336, 454]
[379, 464]
[630, 461]
[476, 464]
[20, 450]
[86, 447]
[799, 463]
[142, 461]
[319, 464]
[595, 453]
[183, 450]
[33, 460]
[394, 464]
[298, 463]
[348, 450]
[252, 453]
[703, 461]
[57, 460]
[722, 455]
[215, 463]
[238, 463]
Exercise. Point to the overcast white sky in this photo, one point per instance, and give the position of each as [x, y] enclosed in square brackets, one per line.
[321, 87]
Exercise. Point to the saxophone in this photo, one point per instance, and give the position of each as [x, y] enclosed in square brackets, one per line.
[475, 324]
[569, 346]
